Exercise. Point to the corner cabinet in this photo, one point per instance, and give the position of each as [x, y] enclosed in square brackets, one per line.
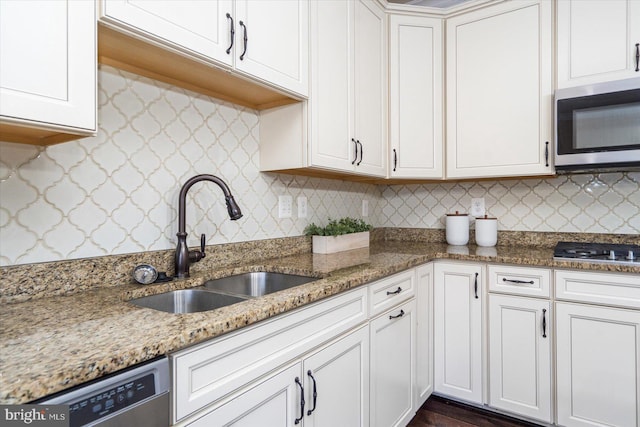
[47, 71]
[416, 94]
[500, 91]
[265, 41]
[342, 128]
[458, 301]
[587, 56]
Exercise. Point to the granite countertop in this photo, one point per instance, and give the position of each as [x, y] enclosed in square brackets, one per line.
[53, 343]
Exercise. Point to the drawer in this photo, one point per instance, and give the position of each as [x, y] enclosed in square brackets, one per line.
[528, 281]
[204, 374]
[390, 291]
[599, 288]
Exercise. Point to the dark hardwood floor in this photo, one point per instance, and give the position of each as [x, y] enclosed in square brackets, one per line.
[441, 412]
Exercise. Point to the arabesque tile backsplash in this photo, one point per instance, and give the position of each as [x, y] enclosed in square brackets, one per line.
[117, 192]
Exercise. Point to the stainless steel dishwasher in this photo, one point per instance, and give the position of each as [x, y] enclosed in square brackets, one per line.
[138, 396]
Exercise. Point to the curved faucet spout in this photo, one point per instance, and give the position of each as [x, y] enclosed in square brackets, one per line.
[183, 256]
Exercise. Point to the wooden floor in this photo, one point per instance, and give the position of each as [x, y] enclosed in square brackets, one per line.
[441, 412]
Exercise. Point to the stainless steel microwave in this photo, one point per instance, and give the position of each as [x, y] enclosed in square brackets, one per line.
[598, 127]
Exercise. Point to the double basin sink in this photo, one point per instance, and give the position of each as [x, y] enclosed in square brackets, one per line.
[221, 292]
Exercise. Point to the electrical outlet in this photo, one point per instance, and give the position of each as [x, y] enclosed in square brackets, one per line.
[285, 206]
[365, 208]
[477, 207]
[302, 207]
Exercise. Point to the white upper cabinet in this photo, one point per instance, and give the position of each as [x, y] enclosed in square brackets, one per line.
[267, 41]
[500, 91]
[597, 41]
[415, 97]
[343, 127]
[348, 96]
[47, 69]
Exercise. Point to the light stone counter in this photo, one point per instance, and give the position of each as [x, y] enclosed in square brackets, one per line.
[54, 342]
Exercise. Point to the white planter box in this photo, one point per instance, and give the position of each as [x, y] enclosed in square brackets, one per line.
[346, 242]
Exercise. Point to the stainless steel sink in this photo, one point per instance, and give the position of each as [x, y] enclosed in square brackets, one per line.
[187, 301]
[256, 284]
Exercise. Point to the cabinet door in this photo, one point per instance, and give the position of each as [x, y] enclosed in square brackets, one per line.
[277, 46]
[337, 383]
[193, 26]
[331, 98]
[598, 366]
[393, 337]
[274, 402]
[424, 333]
[48, 64]
[500, 91]
[458, 330]
[597, 40]
[520, 356]
[369, 82]
[415, 92]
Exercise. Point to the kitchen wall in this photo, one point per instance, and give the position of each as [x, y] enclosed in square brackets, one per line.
[117, 192]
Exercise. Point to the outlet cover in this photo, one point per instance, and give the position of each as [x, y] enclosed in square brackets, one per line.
[302, 207]
[365, 208]
[285, 206]
[477, 207]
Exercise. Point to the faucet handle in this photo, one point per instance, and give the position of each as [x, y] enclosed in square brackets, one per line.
[195, 256]
[203, 240]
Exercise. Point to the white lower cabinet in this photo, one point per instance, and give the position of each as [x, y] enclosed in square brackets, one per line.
[458, 300]
[598, 372]
[327, 388]
[520, 356]
[393, 336]
[424, 333]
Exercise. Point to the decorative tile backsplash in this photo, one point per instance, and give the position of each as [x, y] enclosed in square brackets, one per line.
[118, 192]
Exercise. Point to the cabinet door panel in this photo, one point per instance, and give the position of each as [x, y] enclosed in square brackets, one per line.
[370, 91]
[424, 333]
[458, 330]
[499, 90]
[277, 42]
[520, 356]
[341, 373]
[331, 96]
[201, 27]
[415, 91]
[48, 63]
[393, 366]
[598, 366]
[272, 403]
[586, 56]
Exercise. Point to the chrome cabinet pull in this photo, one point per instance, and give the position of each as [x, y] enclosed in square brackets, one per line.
[396, 292]
[246, 40]
[297, 420]
[315, 393]
[475, 286]
[397, 315]
[233, 34]
[504, 279]
[544, 323]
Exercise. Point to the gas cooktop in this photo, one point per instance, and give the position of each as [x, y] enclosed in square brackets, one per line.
[598, 252]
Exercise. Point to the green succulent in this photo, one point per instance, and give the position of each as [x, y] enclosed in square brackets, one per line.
[338, 227]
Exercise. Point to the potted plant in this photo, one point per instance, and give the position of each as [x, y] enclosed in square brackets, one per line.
[339, 235]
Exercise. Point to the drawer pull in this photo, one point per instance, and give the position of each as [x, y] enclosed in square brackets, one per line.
[396, 292]
[544, 323]
[315, 393]
[297, 420]
[530, 282]
[397, 315]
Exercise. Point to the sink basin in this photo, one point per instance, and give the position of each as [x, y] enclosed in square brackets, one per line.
[187, 301]
[256, 284]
